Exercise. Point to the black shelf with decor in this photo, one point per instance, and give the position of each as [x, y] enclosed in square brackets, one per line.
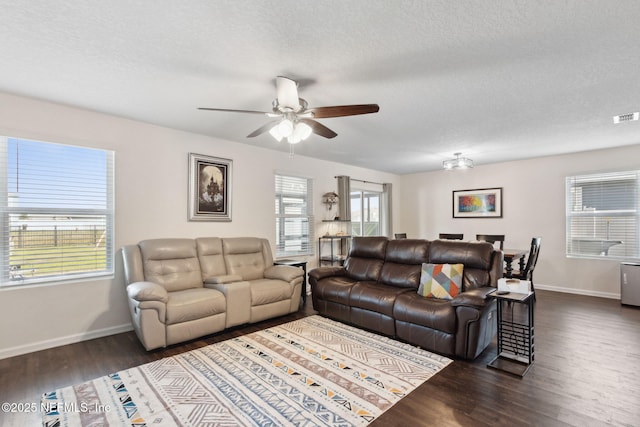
[333, 250]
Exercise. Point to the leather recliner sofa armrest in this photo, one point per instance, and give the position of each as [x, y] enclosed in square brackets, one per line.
[147, 291]
[476, 298]
[287, 273]
[323, 272]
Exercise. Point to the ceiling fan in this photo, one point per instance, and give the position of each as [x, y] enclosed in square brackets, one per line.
[293, 119]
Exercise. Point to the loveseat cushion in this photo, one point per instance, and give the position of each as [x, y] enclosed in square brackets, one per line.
[267, 291]
[403, 261]
[171, 263]
[476, 257]
[247, 257]
[211, 257]
[192, 304]
[432, 313]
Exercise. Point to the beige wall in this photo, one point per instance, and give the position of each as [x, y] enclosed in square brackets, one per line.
[533, 205]
[151, 201]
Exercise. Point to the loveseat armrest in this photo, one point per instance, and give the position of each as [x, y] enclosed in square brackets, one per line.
[227, 278]
[287, 273]
[476, 298]
[147, 291]
[323, 272]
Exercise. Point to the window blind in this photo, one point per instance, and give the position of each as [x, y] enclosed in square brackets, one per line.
[294, 215]
[602, 215]
[56, 211]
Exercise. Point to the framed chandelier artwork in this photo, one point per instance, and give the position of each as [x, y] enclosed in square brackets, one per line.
[210, 188]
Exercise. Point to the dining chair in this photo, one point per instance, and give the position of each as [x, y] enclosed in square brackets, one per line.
[492, 238]
[401, 235]
[532, 260]
[451, 236]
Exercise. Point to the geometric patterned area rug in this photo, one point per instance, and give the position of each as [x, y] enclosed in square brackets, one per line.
[312, 371]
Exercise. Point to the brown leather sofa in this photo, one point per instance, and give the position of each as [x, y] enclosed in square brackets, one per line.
[376, 289]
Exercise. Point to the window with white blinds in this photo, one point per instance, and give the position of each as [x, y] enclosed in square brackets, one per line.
[56, 212]
[602, 215]
[294, 216]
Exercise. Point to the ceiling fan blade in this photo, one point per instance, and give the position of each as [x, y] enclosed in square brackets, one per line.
[235, 111]
[287, 92]
[319, 128]
[343, 110]
[262, 129]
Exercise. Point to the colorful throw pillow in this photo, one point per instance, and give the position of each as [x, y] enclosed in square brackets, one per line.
[442, 281]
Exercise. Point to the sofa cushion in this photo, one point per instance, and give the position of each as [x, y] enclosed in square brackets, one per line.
[366, 257]
[192, 304]
[432, 313]
[171, 263]
[335, 289]
[442, 281]
[477, 258]
[375, 297]
[403, 262]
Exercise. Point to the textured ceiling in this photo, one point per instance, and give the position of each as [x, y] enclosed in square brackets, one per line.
[495, 80]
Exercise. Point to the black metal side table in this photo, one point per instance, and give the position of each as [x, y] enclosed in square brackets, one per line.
[303, 266]
[515, 333]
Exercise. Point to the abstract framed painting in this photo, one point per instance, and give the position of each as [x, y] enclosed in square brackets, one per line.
[210, 188]
[479, 203]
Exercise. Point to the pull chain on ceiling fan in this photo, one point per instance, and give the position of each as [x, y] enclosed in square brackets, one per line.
[294, 120]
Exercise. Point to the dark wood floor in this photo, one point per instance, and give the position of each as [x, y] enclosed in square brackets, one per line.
[586, 373]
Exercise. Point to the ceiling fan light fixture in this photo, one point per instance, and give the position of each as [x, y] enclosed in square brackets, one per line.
[302, 130]
[457, 163]
[275, 132]
[285, 128]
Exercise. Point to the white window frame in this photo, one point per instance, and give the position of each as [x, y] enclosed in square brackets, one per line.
[77, 214]
[597, 222]
[285, 217]
[364, 196]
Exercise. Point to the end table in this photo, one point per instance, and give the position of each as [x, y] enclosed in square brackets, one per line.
[515, 333]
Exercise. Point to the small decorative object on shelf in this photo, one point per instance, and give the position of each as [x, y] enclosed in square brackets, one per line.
[330, 199]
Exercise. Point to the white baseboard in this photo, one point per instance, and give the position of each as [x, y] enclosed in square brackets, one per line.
[587, 292]
[69, 339]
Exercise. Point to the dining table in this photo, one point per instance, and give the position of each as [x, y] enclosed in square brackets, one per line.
[511, 255]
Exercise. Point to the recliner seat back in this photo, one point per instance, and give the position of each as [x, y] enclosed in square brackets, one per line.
[477, 258]
[171, 263]
[366, 258]
[247, 257]
[403, 263]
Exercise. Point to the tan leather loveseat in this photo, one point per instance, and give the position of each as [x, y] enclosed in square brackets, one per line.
[181, 289]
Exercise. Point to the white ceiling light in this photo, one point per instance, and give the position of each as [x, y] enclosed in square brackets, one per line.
[301, 131]
[457, 163]
[293, 132]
